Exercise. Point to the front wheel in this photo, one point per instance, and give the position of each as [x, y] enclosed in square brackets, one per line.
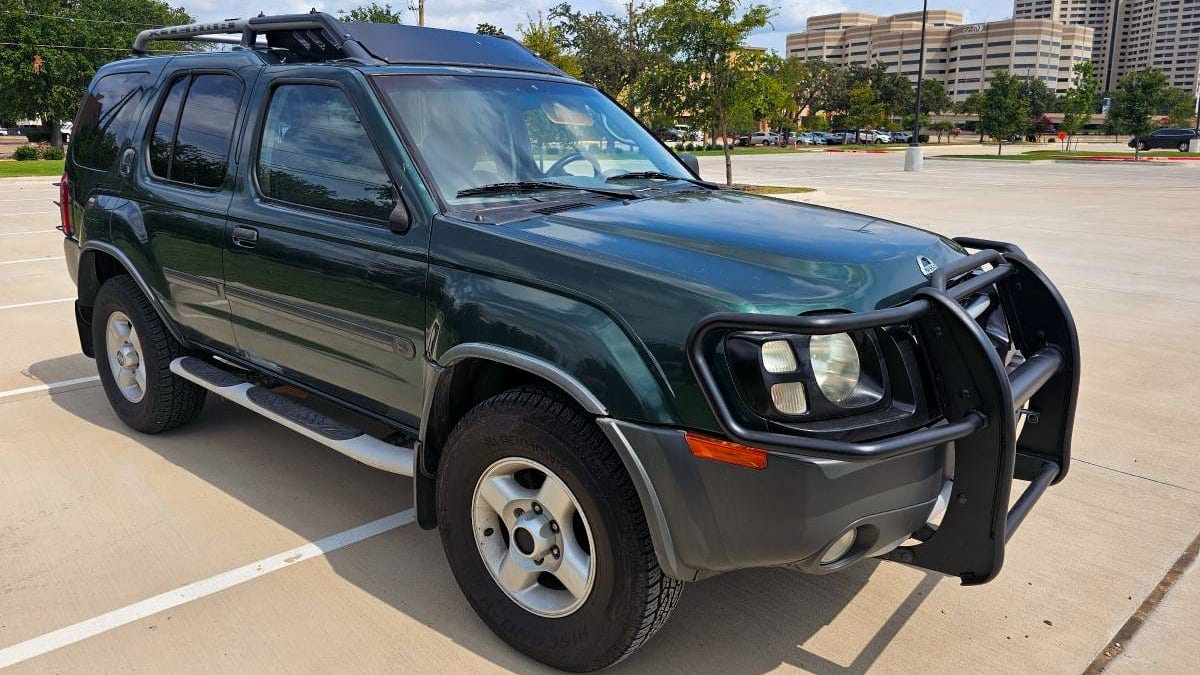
[545, 533]
[1141, 146]
[1183, 146]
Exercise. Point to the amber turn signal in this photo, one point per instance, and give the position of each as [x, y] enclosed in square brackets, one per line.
[726, 451]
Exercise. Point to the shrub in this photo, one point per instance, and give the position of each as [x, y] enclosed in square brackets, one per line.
[53, 153]
[37, 135]
[25, 153]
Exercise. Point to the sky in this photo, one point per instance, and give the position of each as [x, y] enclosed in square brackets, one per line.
[466, 14]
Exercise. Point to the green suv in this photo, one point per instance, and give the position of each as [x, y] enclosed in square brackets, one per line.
[606, 376]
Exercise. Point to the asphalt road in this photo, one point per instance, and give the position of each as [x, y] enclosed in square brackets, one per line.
[191, 551]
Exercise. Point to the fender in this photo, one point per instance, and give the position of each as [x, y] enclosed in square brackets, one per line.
[88, 279]
[424, 482]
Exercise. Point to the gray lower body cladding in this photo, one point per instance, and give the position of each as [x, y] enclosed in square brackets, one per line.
[708, 517]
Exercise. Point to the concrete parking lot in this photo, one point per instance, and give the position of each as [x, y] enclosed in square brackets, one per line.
[193, 550]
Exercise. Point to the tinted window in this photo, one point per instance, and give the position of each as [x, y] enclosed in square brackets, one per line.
[164, 129]
[314, 152]
[106, 118]
[195, 150]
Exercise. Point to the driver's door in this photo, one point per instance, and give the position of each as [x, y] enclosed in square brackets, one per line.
[321, 288]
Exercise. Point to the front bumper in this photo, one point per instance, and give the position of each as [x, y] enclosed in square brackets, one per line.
[818, 487]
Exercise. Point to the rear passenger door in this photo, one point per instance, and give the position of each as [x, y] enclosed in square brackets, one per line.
[180, 191]
[322, 291]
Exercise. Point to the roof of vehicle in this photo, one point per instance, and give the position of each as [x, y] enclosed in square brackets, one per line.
[318, 38]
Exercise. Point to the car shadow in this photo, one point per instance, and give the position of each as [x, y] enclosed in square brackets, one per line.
[750, 621]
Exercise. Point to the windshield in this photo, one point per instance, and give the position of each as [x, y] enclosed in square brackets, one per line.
[473, 131]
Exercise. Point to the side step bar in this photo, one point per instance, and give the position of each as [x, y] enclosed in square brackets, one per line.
[346, 439]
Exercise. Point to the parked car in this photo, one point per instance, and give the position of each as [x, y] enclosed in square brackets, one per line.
[606, 376]
[901, 136]
[3, 131]
[821, 137]
[1164, 138]
[807, 138]
[763, 138]
[836, 138]
[883, 137]
[670, 136]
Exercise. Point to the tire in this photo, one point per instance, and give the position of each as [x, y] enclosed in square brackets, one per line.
[1183, 146]
[166, 401]
[1141, 146]
[628, 598]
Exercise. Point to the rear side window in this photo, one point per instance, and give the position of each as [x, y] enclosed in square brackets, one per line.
[194, 129]
[314, 152]
[106, 119]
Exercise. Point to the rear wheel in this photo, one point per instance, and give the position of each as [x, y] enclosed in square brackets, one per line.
[545, 534]
[1141, 145]
[134, 351]
[1183, 146]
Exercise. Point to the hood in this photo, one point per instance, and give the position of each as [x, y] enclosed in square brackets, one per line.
[746, 252]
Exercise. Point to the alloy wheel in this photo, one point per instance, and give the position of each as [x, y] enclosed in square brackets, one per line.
[533, 537]
[125, 357]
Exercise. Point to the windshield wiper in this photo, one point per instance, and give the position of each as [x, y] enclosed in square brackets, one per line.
[537, 186]
[659, 175]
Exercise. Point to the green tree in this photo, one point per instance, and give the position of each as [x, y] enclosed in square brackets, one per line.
[1039, 101]
[1136, 98]
[547, 39]
[703, 44]
[943, 128]
[866, 110]
[1080, 100]
[39, 80]
[1176, 105]
[807, 83]
[1003, 111]
[971, 105]
[488, 29]
[934, 99]
[372, 13]
[611, 49]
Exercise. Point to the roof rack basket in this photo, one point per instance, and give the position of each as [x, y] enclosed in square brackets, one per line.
[316, 36]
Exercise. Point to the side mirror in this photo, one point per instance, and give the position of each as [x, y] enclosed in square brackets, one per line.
[689, 160]
[398, 220]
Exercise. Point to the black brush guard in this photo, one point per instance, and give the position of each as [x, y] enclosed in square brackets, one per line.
[981, 400]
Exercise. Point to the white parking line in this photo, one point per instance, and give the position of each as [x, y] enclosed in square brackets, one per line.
[48, 386]
[33, 647]
[12, 234]
[34, 304]
[29, 260]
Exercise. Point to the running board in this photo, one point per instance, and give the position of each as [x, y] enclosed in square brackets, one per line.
[329, 432]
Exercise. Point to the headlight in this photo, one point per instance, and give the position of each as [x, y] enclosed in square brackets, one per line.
[799, 377]
[835, 365]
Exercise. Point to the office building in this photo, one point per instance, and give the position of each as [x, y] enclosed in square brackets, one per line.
[959, 55]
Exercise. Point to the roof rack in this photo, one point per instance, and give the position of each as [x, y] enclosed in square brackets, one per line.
[318, 36]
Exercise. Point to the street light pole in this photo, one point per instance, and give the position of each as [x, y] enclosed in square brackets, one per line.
[913, 155]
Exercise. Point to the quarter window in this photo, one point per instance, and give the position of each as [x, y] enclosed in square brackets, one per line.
[315, 152]
[106, 119]
[194, 130]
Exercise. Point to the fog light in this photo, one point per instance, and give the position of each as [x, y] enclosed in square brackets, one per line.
[789, 398]
[777, 357]
[839, 548]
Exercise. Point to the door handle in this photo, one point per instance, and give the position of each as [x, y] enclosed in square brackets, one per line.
[245, 237]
